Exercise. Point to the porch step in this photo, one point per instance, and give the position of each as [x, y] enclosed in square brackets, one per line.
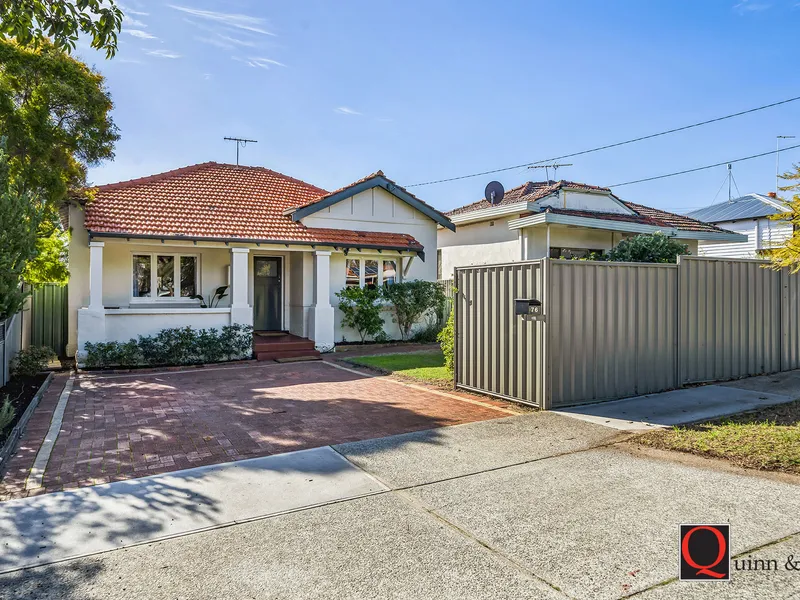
[269, 346]
[280, 354]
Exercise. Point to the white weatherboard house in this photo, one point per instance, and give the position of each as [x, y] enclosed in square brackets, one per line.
[555, 219]
[750, 217]
[141, 248]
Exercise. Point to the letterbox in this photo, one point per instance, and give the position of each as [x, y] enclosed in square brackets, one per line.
[528, 308]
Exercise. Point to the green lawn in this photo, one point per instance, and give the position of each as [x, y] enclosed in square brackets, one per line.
[425, 366]
[765, 439]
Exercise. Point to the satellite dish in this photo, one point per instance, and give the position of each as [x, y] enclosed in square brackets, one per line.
[494, 192]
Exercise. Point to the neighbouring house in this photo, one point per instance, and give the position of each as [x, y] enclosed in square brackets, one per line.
[141, 248]
[558, 219]
[748, 216]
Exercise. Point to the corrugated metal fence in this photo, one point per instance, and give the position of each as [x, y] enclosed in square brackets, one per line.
[49, 317]
[612, 330]
[10, 344]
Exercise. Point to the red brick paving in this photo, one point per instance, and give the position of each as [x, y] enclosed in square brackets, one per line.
[123, 426]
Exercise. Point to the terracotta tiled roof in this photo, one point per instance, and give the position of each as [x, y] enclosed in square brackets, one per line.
[219, 201]
[527, 192]
[673, 220]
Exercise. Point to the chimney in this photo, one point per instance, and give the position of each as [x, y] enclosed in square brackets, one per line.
[772, 195]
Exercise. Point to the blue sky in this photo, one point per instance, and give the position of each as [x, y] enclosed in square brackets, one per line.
[334, 90]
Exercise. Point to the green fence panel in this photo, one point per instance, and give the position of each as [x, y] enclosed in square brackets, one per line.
[49, 317]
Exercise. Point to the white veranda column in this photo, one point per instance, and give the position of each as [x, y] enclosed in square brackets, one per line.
[241, 311]
[96, 275]
[321, 314]
[92, 320]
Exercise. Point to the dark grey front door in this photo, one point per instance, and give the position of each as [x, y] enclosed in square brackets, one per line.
[267, 295]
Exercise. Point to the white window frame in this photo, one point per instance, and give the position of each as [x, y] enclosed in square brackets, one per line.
[398, 261]
[154, 299]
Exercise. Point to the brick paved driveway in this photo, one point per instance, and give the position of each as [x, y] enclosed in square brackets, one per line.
[130, 425]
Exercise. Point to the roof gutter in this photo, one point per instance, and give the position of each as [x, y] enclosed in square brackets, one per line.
[623, 226]
[345, 246]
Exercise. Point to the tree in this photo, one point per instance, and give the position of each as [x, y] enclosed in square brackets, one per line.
[21, 215]
[32, 21]
[55, 116]
[411, 300]
[788, 255]
[648, 248]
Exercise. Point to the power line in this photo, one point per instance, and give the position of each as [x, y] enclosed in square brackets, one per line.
[615, 145]
[725, 162]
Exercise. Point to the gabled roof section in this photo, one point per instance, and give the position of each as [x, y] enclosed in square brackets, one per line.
[377, 179]
[749, 206]
[221, 202]
[530, 191]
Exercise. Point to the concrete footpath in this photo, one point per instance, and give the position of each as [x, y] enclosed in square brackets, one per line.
[691, 405]
[533, 506]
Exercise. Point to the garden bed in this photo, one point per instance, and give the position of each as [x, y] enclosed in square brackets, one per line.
[20, 391]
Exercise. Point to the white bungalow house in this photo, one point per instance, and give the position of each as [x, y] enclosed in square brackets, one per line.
[555, 219]
[749, 216]
[141, 248]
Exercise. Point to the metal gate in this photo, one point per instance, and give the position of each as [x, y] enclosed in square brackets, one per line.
[49, 317]
[496, 351]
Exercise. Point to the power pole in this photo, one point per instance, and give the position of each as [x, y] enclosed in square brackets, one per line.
[240, 143]
[778, 158]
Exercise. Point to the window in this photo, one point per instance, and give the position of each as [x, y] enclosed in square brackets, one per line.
[389, 272]
[170, 275]
[369, 272]
[353, 277]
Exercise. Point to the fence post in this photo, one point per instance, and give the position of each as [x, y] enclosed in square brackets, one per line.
[455, 327]
[784, 322]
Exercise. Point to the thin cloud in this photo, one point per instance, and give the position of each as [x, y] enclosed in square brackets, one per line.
[225, 41]
[258, 62]
[747, 6]
[238, 21]
[139, 33]
[344, 110]
[130, 11]
[163, 53]
[128, 20]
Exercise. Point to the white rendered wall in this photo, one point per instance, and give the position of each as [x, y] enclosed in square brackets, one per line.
[478, 244]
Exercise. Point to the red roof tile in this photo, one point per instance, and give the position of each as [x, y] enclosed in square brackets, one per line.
[673, 220]
[220, 201]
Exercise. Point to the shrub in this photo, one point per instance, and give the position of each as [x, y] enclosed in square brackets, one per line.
[176, 346]
[361, 310]
[31, 361]
[446, 339]
[648, 248]
[7, 412]
[411, 300]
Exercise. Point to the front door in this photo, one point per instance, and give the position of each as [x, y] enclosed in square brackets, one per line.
[267, 294]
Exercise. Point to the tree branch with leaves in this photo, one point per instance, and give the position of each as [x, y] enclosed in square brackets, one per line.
[788, 255]
[31, 22]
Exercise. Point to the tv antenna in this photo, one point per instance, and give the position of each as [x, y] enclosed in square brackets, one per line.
[240, 143]
[547, 168]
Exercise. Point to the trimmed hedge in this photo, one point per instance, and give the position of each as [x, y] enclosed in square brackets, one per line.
[176, 346]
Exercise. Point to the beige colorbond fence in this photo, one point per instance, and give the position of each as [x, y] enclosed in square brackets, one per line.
[612, 330]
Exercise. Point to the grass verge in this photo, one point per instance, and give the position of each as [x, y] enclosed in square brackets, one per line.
[423, 366]
[766, 439]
